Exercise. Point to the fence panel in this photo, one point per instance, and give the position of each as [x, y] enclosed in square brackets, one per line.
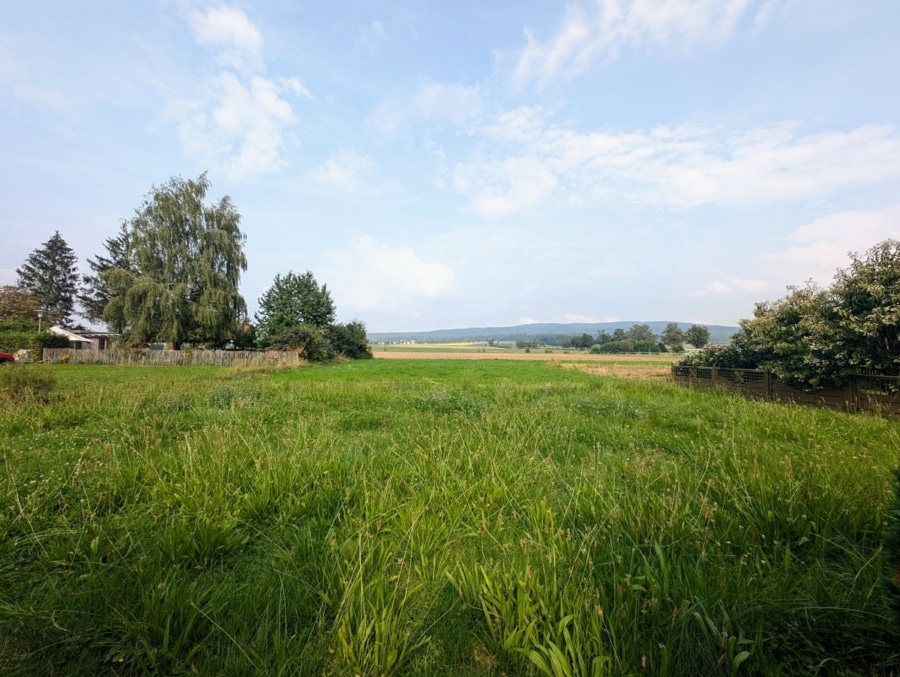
[172, 358]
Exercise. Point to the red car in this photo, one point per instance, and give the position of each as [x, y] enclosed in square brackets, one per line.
[6, 357]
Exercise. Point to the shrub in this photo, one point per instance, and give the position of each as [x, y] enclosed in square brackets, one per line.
[26, 384]
[349, 340]
[307, 340]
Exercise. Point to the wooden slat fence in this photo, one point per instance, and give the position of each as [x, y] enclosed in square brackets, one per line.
[172, 358]
[862, 392]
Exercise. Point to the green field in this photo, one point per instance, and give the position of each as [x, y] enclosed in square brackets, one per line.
[436, 518]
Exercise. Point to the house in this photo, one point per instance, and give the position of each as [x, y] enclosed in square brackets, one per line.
[87, 339]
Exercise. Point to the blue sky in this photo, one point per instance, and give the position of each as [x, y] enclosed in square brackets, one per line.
[451, 164]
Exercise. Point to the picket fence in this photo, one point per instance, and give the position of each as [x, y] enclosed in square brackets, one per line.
[172, 358]
[861, 392]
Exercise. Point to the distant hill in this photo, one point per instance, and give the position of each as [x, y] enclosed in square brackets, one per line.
[537, 331]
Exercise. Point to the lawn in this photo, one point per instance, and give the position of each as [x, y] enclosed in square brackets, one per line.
[444, 517]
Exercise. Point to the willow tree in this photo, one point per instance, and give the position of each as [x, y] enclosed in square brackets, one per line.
[185, 262]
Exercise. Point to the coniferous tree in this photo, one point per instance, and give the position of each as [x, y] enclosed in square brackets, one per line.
[95, 293]
[51, 274]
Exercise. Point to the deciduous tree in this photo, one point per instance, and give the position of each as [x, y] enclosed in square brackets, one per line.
[187, 258]
[19, 305]
[672, 336]
[294, 300]
[697, 335]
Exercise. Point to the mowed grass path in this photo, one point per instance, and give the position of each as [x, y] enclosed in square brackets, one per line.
[437, 518]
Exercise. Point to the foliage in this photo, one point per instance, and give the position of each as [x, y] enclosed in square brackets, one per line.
[697, 335]
[18, 305]
[815, 338]
[297, 313]
[22, 385]
[244, 336]
[866, 308]
[294, 300]
[179, 280]
[891, 581]
[438, 518]
[50, 273]
[349, 340]
[732, 356]
[310, 341]
[95, 292]
[673, 337]
[12, 341]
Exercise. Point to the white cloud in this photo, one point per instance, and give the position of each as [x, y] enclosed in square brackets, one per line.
[230, 31]
[681, 167]
[241, 123]
[374, 277]
[602, 28]
[734, 286]
[813, 251]
[817, 249]
[498, 188]
[238, 127]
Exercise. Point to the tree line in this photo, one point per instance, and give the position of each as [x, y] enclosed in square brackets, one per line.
[171, 274]
[639, 338]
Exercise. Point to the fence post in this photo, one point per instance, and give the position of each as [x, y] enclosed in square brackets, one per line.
[715, 376]
[768, 384]
[851, 394]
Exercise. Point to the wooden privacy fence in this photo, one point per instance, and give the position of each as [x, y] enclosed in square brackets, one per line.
[860, 393]
[172, 358]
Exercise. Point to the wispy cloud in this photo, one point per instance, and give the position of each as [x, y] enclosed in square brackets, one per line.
[19, 83]
[375, 277]
[600, 29]
[347, 169]
[813, 251]
[372, 37]
[241, 122]
[531, 159]
[430, 101]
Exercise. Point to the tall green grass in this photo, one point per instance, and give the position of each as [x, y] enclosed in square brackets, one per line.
[437, 518]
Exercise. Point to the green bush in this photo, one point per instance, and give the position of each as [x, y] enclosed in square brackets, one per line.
[11, 341]
[349, 340]
[307, 340]
[26, 384]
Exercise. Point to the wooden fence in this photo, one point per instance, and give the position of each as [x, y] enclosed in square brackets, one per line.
[172, 358]
[861, 393]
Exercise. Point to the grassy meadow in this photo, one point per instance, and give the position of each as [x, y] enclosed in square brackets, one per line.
[451, 517]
